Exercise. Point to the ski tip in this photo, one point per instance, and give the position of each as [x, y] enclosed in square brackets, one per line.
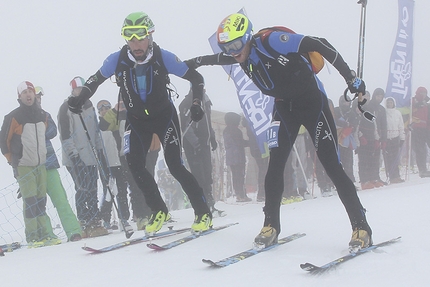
[310, 267]
[211, 263]
[155, 247]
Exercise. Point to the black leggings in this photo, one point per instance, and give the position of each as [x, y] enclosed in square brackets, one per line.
[310, 109]
[166, 126]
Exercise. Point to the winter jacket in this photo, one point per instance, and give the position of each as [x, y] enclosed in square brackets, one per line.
[376, 130]
[22, 136]
[111, 147]
[395, 125]
[73, 137]
[420, 113]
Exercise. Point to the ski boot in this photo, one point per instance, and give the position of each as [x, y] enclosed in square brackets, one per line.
[360, 239]
[267, 236]
[155, 222]
[202, 223]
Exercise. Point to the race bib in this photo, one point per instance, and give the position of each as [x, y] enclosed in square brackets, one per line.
[126, 140]
[272, 134]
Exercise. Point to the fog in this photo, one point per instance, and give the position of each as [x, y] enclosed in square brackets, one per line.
[48, 43]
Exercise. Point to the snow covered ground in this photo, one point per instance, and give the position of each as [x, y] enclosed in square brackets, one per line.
[396, 210]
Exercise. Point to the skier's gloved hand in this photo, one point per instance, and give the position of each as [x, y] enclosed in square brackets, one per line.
[196, 110]
[355, 84]
[76, 103]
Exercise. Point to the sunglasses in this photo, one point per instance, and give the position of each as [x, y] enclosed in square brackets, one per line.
[103, 106]
[140, 32]
[233, 47]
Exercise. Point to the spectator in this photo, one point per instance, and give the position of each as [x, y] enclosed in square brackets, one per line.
[235, 144]
[198, 138]
[113, 169]
[80, 161]
[22, 142]
[420, 129]
[115, 120]
[346, 120]
[54, 187]
[395, 140]
[372, 136]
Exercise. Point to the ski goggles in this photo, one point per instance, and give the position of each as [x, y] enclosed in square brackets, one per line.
[39, 91]
[140, 32]
[104, 105]
[232, 48]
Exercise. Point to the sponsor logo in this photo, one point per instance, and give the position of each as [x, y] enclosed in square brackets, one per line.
[318, 130]
[175, 140]
[283, 60]
[284, 38]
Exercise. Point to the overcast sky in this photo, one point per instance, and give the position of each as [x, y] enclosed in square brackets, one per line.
[49, 42]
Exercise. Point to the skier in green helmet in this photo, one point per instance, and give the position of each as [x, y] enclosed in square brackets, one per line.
[142, 71]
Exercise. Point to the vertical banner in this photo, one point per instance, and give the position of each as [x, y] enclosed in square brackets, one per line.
[399, 84]
[256, 106]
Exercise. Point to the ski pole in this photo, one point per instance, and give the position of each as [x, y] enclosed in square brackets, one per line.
[361, 101]
[128, 234]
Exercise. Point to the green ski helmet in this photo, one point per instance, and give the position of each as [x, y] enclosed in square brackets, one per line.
[137, 24]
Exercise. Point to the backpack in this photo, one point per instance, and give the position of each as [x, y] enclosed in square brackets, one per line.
[315, 58]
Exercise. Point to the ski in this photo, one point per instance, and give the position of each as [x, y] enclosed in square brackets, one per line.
[187, 238]
[135, 241]
[251, 252]
[321, 269]
[10, 246]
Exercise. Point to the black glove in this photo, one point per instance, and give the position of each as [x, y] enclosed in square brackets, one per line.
[76, 103]
[356, 85]
[196, 110]
[214, 143]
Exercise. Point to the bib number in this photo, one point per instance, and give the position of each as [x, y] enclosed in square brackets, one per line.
[272, 134]
[126, 140]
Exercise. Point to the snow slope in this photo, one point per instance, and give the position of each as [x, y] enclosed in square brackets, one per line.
[397, 210]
